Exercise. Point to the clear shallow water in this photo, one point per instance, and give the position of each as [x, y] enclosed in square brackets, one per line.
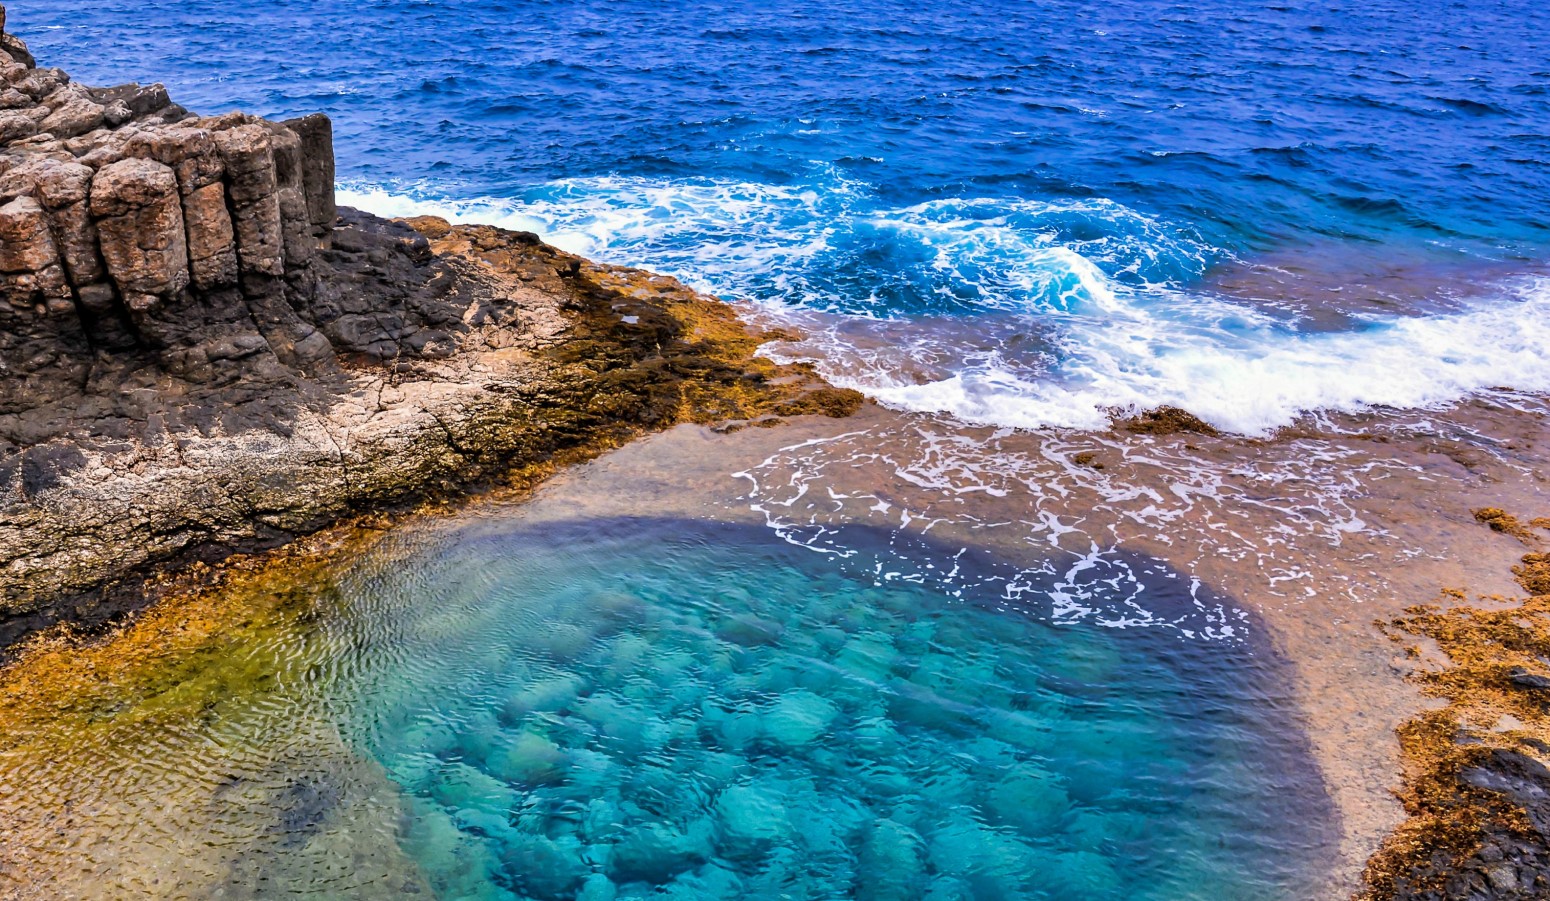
[493, 709]
[685, 710]
[1064, 207]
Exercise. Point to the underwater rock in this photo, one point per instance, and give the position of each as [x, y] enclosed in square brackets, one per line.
[459, 786]
[629, 727]
[456, 864]
[991, 864]
[891, 864]
[870, 656]
[617, 607]
[749, 630]
[543, 868]
[597, 887]
[546, 695]
[1029, 800]
[1079, 874]
[529, 759]
[655, 853]
[798, 719]
[752, 816]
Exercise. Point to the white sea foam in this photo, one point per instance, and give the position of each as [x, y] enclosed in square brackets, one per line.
[1251, 377]
[1095, 284]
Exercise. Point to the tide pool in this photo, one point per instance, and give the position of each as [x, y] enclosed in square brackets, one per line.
[643, 708]
[498, 708]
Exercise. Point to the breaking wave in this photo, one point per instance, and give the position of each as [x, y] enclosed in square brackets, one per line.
[1016, 312]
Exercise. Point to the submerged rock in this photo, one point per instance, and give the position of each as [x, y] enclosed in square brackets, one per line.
[459, 786]
[752, 817]
[798, 719]
[655, 853]
[891, 863]
[1029, 800]
[544, 868]
[529, 759]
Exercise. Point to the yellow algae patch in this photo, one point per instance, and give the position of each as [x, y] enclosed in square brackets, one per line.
[1501, 521]
[650, 336]
[177, 756]
[1476, 775]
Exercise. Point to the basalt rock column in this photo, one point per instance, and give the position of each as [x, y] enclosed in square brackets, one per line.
[131, 226]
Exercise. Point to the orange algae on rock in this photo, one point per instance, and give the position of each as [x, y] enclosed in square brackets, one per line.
[1477, 789]
[690, 354]
[1501, 521]
[1166, 420]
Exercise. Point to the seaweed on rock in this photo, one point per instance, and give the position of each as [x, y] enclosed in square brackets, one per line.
[1477, 787]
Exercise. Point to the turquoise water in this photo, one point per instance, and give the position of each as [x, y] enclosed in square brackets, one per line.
[643, 708]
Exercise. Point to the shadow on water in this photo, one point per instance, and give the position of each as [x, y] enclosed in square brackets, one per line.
[625, 707]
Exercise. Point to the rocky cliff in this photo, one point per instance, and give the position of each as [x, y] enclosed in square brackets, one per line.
[127, 224]
[199, 353]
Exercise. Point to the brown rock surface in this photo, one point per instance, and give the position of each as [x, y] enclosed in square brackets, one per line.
[140, 224]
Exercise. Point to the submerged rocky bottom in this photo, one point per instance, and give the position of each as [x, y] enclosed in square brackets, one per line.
[507, 707]
[634, 708]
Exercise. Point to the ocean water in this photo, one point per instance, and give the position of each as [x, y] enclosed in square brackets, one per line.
[1024, 214]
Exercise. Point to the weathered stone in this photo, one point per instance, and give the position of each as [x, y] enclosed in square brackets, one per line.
[30, 270]
[17, 50]
[25, 242]
[317, 167]
[17, 125]
[117, 113]
[76, 116]
[248, 152]
[296, 227]
[39, 83]
[139, 100]
[212, 249]
[191, 152]
[140, 221]
[97, 299]
[62, 191]
[64, 188]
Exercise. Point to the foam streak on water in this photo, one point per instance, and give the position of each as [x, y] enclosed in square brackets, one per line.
[1279, 518]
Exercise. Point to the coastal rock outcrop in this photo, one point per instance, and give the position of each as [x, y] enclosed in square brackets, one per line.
[200, 353]
[128, 224]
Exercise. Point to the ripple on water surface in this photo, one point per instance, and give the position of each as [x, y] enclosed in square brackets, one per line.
[638, 708]
[610, 708]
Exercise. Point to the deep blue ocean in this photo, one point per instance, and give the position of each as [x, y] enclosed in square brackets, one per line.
[1020, 213]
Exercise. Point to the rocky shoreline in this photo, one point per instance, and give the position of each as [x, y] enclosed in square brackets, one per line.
[200, 354]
